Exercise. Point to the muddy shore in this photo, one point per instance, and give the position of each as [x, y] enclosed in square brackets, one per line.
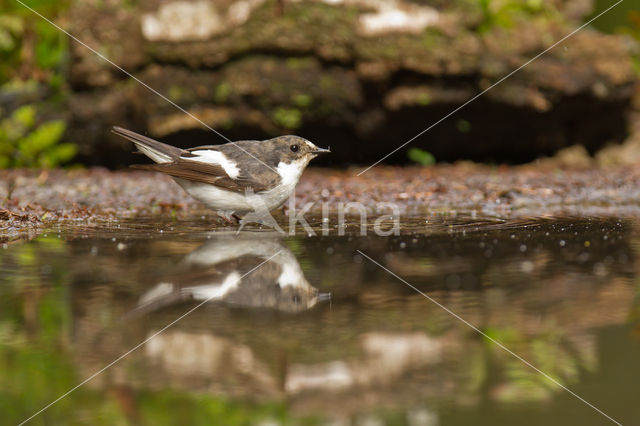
[37, 200]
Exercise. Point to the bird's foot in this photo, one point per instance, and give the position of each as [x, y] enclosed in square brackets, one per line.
[226, 220]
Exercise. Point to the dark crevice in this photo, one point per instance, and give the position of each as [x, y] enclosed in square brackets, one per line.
[272, 53]
[485, 130]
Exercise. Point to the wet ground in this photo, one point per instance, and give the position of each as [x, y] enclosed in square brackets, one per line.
[262, 328]
[32, 201]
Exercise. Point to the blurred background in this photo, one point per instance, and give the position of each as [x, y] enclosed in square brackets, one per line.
[361, 76]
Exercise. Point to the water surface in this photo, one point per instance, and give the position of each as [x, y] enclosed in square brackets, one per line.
[264, 343]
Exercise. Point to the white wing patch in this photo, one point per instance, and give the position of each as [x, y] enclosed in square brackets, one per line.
[216, 157]
[215, 291]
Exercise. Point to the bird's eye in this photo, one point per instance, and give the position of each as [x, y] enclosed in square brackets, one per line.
[294, 148]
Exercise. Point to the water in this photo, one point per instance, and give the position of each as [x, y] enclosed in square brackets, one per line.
[561, 293]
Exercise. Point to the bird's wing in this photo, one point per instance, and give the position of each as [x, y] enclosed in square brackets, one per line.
[210, 173]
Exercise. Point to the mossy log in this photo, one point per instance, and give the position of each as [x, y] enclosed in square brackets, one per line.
[362, 76]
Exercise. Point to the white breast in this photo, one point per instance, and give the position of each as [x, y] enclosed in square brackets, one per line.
[291, 275]
[291, 172]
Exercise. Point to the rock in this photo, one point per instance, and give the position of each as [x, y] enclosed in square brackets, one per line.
[363, 76]
[573, 157]
[394, 17]
[625, 154]
[184, 21]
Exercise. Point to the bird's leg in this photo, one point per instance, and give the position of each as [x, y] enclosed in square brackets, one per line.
[241, 222]
[227, 218]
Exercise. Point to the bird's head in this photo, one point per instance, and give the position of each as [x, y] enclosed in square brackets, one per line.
[292, 149]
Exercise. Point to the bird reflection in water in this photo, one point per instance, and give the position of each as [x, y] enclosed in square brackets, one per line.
[248, 272]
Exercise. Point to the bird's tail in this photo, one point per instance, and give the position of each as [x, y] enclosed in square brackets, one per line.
[157, 151]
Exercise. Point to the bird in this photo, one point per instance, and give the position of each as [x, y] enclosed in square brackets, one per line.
[253, 272]
[227, 177]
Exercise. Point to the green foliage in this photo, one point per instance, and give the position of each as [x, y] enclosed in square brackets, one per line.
[32, 55]
[51, 47]
[11, 28]
[24, 143]
[421, 156]
[29, 46]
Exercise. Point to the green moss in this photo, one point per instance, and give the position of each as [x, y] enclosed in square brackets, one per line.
[227, 124]
[635, 60]
[630, 27]
[302, 100]
[424, 99]
[298, 63]
[175, 93]
[506, 13]
[326, 83]
[463, 126]
[432, 37]
[288, 118]
[222, 92]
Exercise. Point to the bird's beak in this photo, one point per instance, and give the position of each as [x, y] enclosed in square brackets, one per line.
[320, 151]
[324, 296]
